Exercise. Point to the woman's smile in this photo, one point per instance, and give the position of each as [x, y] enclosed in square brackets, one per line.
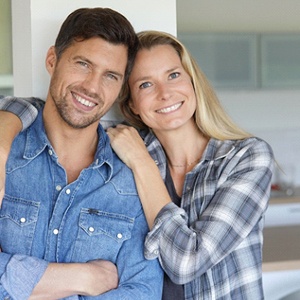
[171, 108]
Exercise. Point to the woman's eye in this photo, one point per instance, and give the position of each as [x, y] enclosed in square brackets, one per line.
[145, 85]
[174, 75]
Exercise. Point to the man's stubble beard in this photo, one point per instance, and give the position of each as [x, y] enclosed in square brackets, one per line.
[77, 123]
[67, 112]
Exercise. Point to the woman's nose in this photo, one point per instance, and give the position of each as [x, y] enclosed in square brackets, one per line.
[164, 91]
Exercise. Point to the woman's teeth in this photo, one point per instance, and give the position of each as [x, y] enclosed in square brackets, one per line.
[170, 108]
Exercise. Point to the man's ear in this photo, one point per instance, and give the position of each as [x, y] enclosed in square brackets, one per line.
[51, 60]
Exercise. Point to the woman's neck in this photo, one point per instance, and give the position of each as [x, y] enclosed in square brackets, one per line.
[184, 147]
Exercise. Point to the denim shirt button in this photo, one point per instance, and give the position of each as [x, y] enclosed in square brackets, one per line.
[58, 188]
[55, 231]
[119, 235]
[91, 229]
[68, 191]
[50, 152]
[23, 220]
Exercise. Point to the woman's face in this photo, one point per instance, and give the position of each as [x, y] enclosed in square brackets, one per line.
[162, 92]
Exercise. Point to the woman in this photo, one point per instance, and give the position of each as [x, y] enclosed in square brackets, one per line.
[204, 183]
[218, 174]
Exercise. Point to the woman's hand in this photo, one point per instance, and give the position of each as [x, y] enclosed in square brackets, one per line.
[130, 147]
[127, 143]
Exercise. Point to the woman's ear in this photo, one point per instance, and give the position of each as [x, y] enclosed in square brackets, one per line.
[51, 60]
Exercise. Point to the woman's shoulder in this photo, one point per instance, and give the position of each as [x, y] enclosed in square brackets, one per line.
[253, 145]
[256, 143]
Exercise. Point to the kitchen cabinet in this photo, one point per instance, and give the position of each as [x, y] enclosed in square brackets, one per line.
[247, 60]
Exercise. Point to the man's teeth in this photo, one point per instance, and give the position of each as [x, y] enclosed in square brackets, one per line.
[84, 101]
[169, 109]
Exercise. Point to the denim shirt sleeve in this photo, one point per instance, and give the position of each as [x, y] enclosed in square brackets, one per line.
[19, 275]
[25, 108]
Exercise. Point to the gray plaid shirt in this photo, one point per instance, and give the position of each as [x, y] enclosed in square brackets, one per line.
[213, 243]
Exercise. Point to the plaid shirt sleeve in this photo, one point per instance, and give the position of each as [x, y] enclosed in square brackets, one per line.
[25, 108]
[231, 207]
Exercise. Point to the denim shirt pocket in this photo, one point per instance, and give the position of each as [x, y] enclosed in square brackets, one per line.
[101, 235]
[18, 219]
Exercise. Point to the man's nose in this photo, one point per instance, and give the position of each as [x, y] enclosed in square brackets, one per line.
[92, 82]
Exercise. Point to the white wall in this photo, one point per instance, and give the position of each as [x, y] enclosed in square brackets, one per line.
[36, 24]
[273, 115]
[238, 15]
[257, 110]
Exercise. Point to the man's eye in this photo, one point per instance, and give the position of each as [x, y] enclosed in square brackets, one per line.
[83, 64]
[145, 85]
[112, 76]
[174, 75]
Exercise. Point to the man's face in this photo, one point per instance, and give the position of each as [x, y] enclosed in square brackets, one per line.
[86, 80]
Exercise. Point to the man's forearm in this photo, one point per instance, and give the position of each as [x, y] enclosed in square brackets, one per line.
[62, 280]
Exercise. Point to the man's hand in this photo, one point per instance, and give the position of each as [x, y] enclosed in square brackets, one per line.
[102, 277]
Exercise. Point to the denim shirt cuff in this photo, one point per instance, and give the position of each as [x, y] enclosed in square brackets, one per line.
[22, 274]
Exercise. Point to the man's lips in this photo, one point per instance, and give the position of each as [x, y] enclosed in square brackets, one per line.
[169, 109]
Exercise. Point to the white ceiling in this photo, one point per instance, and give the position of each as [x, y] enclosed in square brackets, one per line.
[238, 15]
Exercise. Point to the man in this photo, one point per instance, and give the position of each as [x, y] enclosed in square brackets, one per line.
[71, 212]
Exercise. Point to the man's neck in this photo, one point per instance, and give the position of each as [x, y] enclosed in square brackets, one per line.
[75, 148]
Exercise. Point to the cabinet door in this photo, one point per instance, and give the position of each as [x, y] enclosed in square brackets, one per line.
[229, 60]
[280, 60]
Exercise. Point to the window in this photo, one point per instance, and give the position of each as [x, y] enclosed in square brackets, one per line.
[6, 70]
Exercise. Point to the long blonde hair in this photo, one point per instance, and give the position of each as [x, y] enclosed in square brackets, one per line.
[210, 116]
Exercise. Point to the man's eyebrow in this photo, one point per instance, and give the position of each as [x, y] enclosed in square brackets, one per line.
[83, 58]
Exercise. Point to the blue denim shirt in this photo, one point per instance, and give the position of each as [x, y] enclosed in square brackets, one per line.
[44, 219]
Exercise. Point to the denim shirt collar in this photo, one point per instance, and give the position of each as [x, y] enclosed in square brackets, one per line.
[37, 142]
